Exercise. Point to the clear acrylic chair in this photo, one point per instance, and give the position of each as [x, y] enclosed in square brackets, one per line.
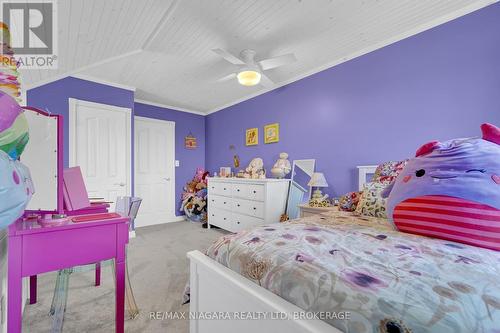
[128, 206]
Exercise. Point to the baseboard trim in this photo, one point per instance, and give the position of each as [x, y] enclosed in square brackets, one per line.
[179, 219]
[171, 220]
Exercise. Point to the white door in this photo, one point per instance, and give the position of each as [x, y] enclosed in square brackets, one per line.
[100, 144]
[154, 170]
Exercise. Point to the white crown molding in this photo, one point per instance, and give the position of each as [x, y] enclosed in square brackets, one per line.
[429, 25]
[46, 81]
[164, 106]
[100, 81]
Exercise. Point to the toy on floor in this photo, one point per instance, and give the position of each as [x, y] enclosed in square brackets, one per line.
[451, 190]
[194, 197]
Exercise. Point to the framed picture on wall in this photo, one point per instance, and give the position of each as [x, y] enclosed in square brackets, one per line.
[190, 141]
[252, 137]
[272, 133]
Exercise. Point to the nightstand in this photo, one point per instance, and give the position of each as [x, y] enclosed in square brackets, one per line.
[306, 210]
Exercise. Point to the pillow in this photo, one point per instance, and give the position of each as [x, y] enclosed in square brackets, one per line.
[371, 202]
[349, 201]
[451, 190]
[387, 172]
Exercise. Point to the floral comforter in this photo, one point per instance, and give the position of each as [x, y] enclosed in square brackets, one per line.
[386, 280]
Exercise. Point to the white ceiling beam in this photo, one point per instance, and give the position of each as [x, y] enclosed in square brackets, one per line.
[164, 19]
[82, 69]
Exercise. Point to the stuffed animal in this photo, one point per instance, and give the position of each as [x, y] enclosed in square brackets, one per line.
[255, 169]
[194, 197]
[451, 190]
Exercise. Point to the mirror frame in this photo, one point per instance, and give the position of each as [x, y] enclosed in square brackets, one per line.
[313, 168]
[294, 162]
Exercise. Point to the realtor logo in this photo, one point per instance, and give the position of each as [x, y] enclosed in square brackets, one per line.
[32, 26]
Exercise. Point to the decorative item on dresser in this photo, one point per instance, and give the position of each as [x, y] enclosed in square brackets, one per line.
[235, 204]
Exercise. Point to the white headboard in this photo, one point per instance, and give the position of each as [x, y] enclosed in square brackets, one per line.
[363, 172]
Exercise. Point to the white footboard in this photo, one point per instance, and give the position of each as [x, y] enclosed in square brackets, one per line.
[243, 306]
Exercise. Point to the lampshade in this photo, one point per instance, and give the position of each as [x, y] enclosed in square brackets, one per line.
[318, 180]
[249, 78]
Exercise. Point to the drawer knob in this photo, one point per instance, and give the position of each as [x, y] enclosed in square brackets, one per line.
[213, 200]
[255, 208]
[237, 190]
[224, 188]
[238, 222]
[238, 205]
[213, 215]
[254, 192]
[224, 219]
[225, 202]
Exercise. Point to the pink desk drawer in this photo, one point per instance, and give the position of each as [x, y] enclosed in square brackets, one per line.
[65, 248]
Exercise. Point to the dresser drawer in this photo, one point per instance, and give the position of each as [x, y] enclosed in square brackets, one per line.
[219, 217]
[256, 192]
[248, 191]
[218, 201]
[240, 222]
[241, 190]
[219, 188]
[247, 207]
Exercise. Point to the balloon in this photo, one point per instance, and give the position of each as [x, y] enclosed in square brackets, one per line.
[14, 139]
[9, 110]
[16, 189]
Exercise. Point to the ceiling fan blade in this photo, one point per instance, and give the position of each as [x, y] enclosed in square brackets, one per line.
[277, 61]
[227, 77]
[266, 81]
[228, 56]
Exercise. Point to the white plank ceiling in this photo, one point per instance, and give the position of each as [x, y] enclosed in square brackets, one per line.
[163, 47]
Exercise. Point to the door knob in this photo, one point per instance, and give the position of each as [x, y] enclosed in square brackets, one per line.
[167, 179]
[122, 184]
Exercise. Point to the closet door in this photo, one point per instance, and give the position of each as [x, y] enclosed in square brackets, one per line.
[154, 170]
[100, 144]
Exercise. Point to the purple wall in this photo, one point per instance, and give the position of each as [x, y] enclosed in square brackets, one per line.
[189, 159]
[440, 84]
[54, 96]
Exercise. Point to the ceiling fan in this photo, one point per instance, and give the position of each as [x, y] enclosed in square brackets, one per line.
[251, 72]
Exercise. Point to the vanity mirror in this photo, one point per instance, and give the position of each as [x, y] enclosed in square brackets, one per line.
[299, 192]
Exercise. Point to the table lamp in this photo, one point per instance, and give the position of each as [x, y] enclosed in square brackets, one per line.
[318, 180]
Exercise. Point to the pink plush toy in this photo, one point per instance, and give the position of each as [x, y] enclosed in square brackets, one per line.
[451, 190]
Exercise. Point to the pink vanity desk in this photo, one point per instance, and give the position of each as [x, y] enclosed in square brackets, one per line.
[34, 249]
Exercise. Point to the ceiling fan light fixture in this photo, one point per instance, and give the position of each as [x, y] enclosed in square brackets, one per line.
[249, 78]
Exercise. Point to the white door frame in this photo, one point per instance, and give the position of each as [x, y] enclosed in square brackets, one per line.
[172, 188]
[73, 104]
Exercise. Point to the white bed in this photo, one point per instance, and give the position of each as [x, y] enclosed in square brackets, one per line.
[217, 291]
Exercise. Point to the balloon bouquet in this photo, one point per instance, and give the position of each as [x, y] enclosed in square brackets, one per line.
[16, 188]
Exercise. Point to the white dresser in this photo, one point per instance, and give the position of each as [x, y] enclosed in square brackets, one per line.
[235, 204]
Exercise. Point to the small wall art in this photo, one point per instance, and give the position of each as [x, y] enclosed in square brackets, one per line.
[252, 137]
[272, 133]
[190, 142]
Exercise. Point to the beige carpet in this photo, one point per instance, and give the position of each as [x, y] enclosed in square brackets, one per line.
[158, 270]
